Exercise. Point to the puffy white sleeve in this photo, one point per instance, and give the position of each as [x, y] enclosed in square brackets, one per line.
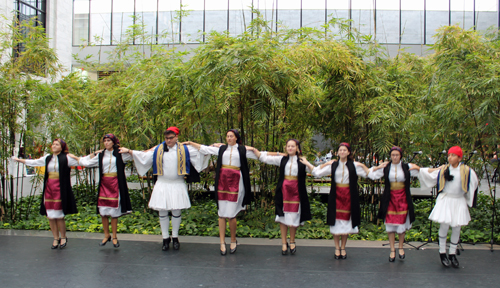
[375, 175]
[72, 162]
[143, 161]
[206, 150]
[359, 170]
[126, 157]
[271, 160]
[87, 162]
[427, 179]
[198, 159]
[319, 172]
[251, 155]
[473, 184]
[36, 162]
[413, 173]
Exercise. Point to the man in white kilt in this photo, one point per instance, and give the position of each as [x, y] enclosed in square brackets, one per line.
[174, 164]
[457, 185]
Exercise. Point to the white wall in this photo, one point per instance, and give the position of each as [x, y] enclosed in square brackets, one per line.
[59, 30]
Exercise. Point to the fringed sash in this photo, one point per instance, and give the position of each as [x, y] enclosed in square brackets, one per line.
[183, 160]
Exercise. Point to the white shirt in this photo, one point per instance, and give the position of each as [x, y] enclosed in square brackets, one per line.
[396, 173]
[341, 174]
[291, 167]
[108, 161]
[230, 157]
[53, 164]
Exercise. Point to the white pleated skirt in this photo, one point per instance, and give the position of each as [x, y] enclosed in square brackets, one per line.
[111, 212]
[451, 209]
[169, 195]
[55, 214]
[399, 228]
[343, 227]
[290, 219]
[228, 209]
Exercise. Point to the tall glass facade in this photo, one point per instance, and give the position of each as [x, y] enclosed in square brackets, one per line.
[105, 22]
[27, 10]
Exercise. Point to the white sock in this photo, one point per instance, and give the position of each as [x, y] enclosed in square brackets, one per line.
[443, 233]
[176, 222]
[164, 223]
[455, 237]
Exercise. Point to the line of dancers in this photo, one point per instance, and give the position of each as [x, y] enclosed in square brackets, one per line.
[176, 164]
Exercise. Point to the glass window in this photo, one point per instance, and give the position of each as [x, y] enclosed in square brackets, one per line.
[313, 13]
[100, 22]
[267, 9]
[81, 10]
[337, 9]
[462, 13]
[192, 24]
[362, 15]
[123, 12]
[145, 11]
[216, 16]
[168, 21]
[412, 22]
[289, 14]
[486, 14]
[437, 15]
[240, 16]
[388, 21]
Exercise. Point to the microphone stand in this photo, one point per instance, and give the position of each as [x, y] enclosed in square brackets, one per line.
[433, 199]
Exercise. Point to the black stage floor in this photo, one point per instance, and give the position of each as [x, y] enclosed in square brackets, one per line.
[29, 262]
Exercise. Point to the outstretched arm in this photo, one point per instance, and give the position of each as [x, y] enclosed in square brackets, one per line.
[304, 161]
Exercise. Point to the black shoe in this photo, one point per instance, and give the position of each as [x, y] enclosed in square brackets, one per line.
[337, 257]
[166, 244]
[453, 260]
[175, 243]
[57, 245]
[284, 252]
[65, 243]
[292, 251]
[402, 256]
[223, 253]
[444, 260]
[343, 256]
[232, 251]
[117, 243]
[392, 259]
[107, 240]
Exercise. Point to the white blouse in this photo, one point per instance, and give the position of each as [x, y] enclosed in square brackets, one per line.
[53, 164]
[291, 167]
[230, 157]
[341, 174]
[396, 173]
[108, 161]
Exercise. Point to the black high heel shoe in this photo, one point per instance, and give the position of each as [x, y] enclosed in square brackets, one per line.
[117, 243]
[337, 257]
[166, 244]
[104, 243]
[65, 243]
[343, 256]
[402, 256]
[223, 253]
[391, 259]
[233, 250]
[57, 245]
[284, 252]
[294, 249]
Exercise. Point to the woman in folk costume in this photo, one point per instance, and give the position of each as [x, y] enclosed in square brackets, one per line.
[456, 185]
[344, 212]
[396, 207]
[57, 197]
[174, 164]
[113, 199]
[291, 199]
[232, 182]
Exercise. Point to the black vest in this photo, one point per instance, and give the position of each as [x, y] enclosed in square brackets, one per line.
[305, 208]
[354, 191]
[386, 196]
[125, 204]
[244, 173]
[67, 197]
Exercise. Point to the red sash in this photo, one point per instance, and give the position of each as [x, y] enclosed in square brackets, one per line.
[52, 198]
[109, 193]
[229, 183]
[290, 191]
[398, 207]
[343, 202]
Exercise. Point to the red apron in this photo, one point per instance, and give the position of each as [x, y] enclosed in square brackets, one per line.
[229, 183]
[343, 202]
[398, 207]
[52, 197]
[291, 199]
[110, 192]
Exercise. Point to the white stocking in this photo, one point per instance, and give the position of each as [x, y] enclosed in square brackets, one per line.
[164, 223]
[176, 222]
[443, 233]
[455, 237]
